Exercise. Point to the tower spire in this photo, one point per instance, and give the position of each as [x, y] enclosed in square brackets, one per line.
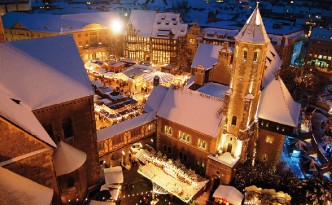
[254, 29]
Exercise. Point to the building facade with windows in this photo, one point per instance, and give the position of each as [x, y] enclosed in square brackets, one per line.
[155, 36]
[243, 80]
[92, 32]
[59, 97]
[319, 53]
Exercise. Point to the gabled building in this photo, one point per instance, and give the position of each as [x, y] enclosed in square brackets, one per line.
[245, 122]
[156, 37]
[319, 53]
[91, 31]
[47, 116]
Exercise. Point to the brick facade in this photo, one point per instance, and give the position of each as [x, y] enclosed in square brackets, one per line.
[38, 167]
[189, 153]
[81, 114]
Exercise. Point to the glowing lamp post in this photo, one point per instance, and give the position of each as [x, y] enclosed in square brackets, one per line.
[116, 28]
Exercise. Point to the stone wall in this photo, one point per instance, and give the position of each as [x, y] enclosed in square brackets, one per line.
[81, 114]
[38, 166]
[189, 153]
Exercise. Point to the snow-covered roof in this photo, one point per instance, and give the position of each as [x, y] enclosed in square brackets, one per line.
[126, 125]
[142, 21]
[277, 105]
[158, 25]
[15, 189]
[190, 81]
[272, 65]
[155, 99]
[220, 34]
[166, 23]
[58, 23]
[206, 55]
[23, 117]
[67, 159]
[214, 89]
[253, 30]
[230, 193]
[322, 34]
[94, 202]
[192, 109]
[225, 158]
[113, 175]
[32, 72]
[137, 70]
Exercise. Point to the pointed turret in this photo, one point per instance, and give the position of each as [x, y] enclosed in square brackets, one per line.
[254, 29]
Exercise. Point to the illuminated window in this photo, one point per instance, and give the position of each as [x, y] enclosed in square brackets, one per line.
[234, 118]
[329, 58]
[255, 56]
[184, 136]
[264, 157]
[245, 55]
[168, 130]
[320, 56]
[150, 127]
[202, 144]
[236, 51]
[269, 139]
[192, 41]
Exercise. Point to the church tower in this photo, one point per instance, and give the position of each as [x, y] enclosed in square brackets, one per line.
[242, 99]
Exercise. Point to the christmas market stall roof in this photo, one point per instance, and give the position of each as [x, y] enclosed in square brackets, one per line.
[277, 105]
[35, 75]
[94, 202]
[22, 116]
[67, 159]
[113, 175]
[230, 193]
[192, 109]
[163, 77]
[15, 189]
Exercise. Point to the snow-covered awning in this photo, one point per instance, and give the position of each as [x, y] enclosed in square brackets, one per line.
[113, 175]
[230, 193]
[67, 159]
[93, 202]
[15, 189]
[163, 77]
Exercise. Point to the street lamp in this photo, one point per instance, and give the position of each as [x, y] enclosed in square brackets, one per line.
[116, 28]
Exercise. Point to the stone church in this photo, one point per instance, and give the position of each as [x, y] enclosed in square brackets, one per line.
[236, 108]
[47, 123]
